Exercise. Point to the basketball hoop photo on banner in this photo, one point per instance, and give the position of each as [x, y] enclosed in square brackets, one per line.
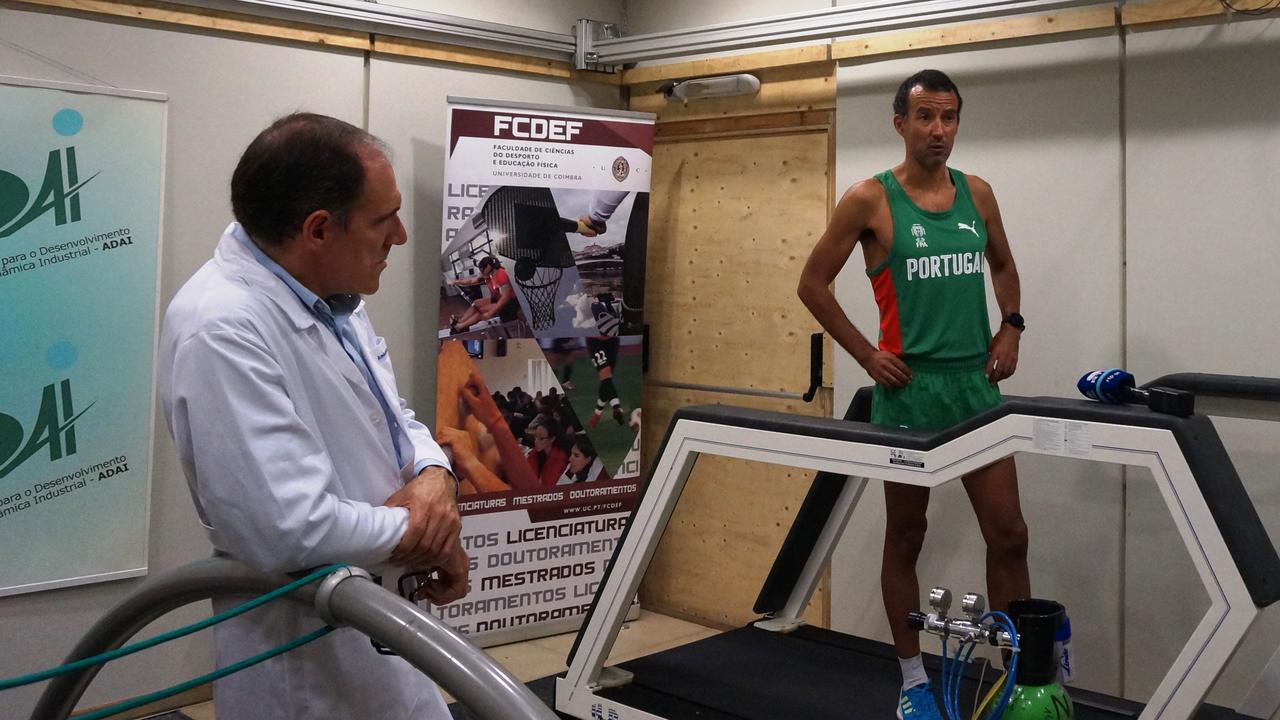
[540, 351]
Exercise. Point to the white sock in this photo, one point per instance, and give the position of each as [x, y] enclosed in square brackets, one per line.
[913, 673]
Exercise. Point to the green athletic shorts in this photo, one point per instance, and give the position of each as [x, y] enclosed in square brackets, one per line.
[934, 401]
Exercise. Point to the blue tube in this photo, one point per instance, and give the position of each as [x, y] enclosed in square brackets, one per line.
[956, 684]
[1004, 621]
[946, 684]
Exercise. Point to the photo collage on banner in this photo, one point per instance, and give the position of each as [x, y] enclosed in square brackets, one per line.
[81, 173]
[540, 352]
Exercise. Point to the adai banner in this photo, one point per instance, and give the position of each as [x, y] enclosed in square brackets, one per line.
[81, 172]
[539, 374]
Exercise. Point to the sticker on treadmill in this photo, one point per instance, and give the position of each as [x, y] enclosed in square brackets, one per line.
[600, 712]
[906, 458]
[1079, 441]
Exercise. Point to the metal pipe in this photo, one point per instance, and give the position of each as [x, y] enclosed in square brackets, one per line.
[437, 650]
[404, 22]
[157, 596]
[347, 598]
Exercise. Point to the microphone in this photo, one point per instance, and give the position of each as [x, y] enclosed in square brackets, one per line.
[1116, 387]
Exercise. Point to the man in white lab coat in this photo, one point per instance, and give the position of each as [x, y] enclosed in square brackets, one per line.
[296, 445]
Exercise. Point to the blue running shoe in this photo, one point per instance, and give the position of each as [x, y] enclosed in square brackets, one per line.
[917, 703]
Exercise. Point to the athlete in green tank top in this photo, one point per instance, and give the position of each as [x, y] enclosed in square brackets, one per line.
[930, 238]
[932, 295]
[931, 289]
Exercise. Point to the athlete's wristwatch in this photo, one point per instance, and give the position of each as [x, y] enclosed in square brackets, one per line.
[1016, 321]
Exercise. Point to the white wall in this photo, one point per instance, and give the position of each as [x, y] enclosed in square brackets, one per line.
[223, 90]
[1203, 146]
[1136, 179]
[1057, 206]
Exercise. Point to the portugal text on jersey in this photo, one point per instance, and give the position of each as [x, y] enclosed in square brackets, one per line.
[945, 265]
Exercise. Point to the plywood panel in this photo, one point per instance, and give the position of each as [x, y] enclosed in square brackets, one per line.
[1160, 11]
[1026, 26]
[731, 224]
[726, 531]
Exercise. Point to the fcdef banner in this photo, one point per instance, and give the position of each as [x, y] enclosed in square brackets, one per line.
[80, 187]
[538, 388]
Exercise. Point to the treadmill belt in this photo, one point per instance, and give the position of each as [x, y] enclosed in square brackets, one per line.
[753, 674]
[809, 674]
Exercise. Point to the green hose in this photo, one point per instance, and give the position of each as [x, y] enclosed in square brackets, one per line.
[196, 682]
[102, 658]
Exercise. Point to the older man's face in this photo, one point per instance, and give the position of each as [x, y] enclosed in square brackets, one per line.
[358, 255]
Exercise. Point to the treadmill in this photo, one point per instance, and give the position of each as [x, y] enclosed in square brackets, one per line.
[779, 668]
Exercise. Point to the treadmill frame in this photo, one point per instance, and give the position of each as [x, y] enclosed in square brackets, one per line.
[1099, 433]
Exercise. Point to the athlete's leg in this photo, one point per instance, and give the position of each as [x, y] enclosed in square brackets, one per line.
[993, 491]
[566, 371]
[904, 531]
[606, 393]
[472, 315]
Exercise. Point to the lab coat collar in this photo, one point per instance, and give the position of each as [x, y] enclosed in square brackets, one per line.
[238, 260]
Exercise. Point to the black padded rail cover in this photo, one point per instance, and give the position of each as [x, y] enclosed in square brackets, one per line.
[1215, 475]
[1232, 386]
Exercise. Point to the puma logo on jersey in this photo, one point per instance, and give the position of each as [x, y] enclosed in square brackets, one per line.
[973, 228]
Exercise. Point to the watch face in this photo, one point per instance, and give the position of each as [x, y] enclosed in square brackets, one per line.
[1016, 320]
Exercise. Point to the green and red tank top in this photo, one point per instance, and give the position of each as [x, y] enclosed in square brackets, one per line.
[931, 290]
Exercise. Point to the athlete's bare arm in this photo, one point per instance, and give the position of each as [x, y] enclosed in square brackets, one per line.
[1002, 359]
[861, 215]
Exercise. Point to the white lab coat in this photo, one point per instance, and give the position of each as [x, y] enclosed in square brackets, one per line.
[288, 459]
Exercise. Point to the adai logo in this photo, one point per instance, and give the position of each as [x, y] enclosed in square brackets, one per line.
[54, 428]
[59, 192]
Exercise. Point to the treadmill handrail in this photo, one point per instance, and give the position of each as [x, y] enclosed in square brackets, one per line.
[1233, 512]
[1241, 387]
[426, 642]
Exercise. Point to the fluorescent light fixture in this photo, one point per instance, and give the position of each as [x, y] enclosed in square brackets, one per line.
[713, 87]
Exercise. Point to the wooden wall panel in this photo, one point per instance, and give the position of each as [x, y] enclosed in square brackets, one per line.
[731, 224]
[726, 531]
[976, 33]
